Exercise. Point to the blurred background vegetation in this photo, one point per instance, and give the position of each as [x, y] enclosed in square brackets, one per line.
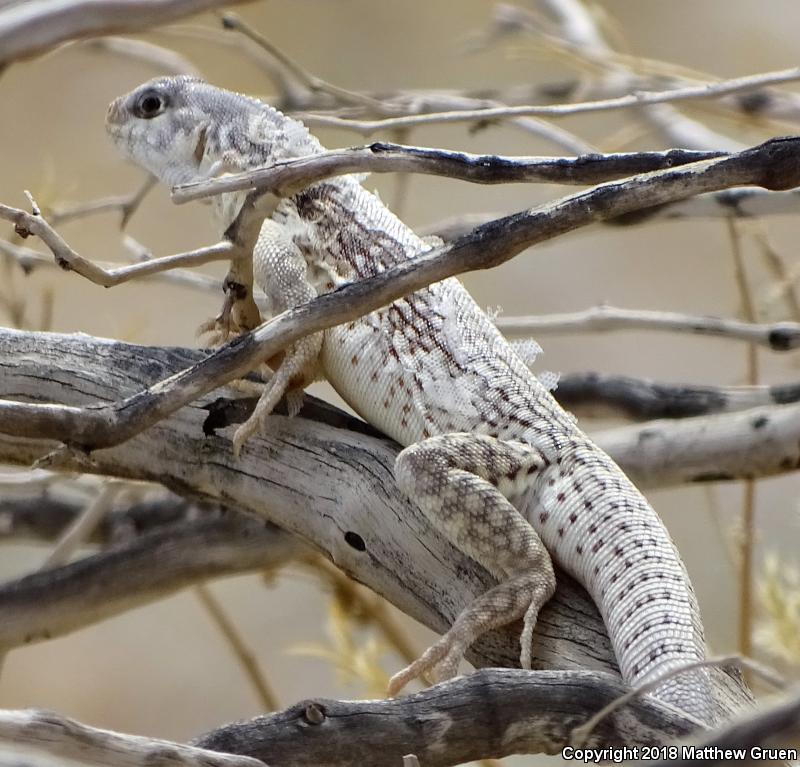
[165, 669]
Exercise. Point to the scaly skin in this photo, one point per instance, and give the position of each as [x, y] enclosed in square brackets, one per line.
[491, 458]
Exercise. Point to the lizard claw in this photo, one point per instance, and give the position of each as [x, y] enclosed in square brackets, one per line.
[438, 663]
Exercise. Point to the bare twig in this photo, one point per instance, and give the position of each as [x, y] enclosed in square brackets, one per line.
[687, 93]
[748, 528]
[285, 178]
[312, 82]
[165, 60]
[243, 654]
[29, 260]
[775, 722]
[44, 513]
[65, 739]
[54, 602]
[31, 223]
[641, 399]
[29, 29]
[126, 204]
[778, 336]
[83, 526]
[581, 734]
[578, 35]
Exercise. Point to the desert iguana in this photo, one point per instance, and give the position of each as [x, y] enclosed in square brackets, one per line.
[490, 457]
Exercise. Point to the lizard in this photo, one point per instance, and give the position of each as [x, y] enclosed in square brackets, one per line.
[495, 464]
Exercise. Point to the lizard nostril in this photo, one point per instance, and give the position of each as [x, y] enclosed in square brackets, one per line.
[114, 113]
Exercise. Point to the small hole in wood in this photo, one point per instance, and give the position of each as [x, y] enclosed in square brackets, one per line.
[355, 540]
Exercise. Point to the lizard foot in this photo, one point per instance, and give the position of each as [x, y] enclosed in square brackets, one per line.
[298, 368]
[523, 594]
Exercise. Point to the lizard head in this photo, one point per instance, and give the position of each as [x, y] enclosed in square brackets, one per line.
[182, 129]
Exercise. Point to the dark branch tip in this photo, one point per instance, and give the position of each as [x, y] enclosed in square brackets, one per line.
[782, 339]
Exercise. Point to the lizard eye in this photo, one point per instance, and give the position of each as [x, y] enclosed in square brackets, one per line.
[150, 104]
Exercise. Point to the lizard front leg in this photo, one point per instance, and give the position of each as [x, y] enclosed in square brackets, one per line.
[280, 270]
[462, 483]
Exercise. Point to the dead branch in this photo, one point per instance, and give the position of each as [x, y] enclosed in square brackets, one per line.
[54, 602]
[489, 714]
[51, 739]
[287, 177]
[688, 93]
[778, 336]
[355, 514]
[29, 29]
[592, 394]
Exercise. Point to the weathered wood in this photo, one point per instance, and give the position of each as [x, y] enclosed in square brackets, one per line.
[323, 476]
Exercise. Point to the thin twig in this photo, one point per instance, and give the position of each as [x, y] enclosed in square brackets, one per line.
[748, 528]
[311, 81]
[83, 526]
[581, 733]
[126, 204]
[30, 223]
[688, 93]
[778, 336]
[29, 260]
[286, 177]
[243, 654]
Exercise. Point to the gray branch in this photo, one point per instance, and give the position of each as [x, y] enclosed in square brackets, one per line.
[34, 738]
[53, 602]
[489, 714]
[777, 336]
[352, 511]
[590, 393]
[379, 157]
[32, 28]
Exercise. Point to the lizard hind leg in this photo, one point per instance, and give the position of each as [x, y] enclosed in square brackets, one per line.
[461, 483]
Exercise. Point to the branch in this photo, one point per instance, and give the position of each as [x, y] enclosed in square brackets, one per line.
[688, 93]
[489, 714]
[47, 734]
[773, 165]
[353, 512]
[47, 515]
[758, 442]
[778, 336]
[776, 722]
[54, 602]
[29, 260]
[287, 177]
[640, 399]
[29, 29]
[26, 224]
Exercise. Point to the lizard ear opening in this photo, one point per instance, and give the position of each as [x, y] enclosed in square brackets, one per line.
[200, 148]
